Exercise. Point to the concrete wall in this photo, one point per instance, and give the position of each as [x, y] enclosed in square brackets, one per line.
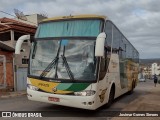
[24, 54]
[155, 69]
[32, 18]
[40, 18]
[35, 18]
[9, 69]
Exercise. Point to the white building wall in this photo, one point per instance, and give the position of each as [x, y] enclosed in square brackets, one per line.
[33, 19]
[155, 69]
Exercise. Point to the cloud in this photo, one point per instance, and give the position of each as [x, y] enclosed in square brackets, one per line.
[138, 20]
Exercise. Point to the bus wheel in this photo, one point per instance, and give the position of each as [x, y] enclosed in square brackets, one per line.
[133, 86]
[111, 97]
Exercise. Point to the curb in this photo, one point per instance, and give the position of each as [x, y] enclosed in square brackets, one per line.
[11, 94]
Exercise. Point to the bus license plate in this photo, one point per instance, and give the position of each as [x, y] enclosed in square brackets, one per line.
[53, 99]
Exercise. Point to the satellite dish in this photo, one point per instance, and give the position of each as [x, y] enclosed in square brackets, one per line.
[20, 15]
[44, 14]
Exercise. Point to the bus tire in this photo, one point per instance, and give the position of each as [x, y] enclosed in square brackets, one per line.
[134, 83]
[133, 86]
[111, 97]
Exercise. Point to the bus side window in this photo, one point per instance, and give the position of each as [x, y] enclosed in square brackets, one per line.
[102, 67]
[104, 62]
[107, 54]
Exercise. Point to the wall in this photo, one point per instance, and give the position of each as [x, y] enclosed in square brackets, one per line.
[24, 54]
[35, 18]
[32, 18]
[155, 69]
[9, 69]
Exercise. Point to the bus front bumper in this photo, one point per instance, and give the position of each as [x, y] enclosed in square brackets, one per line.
[84, 102]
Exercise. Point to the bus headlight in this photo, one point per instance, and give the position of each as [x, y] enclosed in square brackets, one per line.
[85, 93]
[32, 87]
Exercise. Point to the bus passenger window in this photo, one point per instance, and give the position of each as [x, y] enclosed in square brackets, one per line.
[104, 63]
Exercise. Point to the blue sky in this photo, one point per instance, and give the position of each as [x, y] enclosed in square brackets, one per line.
[137, 19]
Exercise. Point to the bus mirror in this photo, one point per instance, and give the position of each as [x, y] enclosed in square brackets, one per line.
[31, 39]
[19, 43]
[99, 48]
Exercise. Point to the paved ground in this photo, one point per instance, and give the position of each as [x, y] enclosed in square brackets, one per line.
[148, 101]
[146, 97]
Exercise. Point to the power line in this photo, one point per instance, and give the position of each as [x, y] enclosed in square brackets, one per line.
[7, 13]
[15, 16]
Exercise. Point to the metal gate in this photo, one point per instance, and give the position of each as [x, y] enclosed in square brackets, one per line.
[21, 79]
[2, 71]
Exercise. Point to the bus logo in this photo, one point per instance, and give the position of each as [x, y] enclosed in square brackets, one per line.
[102, 95]
[54, 89]
[43, 84]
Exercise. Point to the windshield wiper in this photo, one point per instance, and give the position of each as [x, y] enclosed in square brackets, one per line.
[34, 50]
[54, 63]
[67, 67]
[49, 67]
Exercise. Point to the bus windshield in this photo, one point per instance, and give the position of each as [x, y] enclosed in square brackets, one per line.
[71, 59]
[69, 28]
[64, 49]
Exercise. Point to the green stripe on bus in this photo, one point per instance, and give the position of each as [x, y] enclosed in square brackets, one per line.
[78, 87]
[64, 86]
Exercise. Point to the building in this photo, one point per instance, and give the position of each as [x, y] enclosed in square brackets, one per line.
[32, 19]
[35, 18]
[147, 71]
[141, 74]
[10, 31]
[155, 69]
[6, 67]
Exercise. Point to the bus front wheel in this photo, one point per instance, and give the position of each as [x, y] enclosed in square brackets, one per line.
[111, 97]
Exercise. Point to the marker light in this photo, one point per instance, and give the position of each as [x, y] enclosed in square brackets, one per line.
[32, 87]
[85, 93]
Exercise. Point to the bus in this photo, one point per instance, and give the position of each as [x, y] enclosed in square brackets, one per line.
[80, 61]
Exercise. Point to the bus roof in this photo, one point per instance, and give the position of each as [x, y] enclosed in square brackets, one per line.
[74, 17]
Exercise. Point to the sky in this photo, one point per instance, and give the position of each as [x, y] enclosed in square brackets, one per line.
[138, 20]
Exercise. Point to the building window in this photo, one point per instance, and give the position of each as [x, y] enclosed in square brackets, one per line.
[17, 35]
[25, 60]
[6, 36]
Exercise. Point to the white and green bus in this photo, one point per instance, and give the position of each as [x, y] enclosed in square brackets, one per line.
[81, 61]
